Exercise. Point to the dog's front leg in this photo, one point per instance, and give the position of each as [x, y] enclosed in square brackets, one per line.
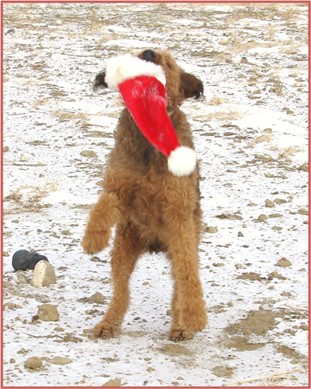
[188, 306]
[103, 216]
[127, 248]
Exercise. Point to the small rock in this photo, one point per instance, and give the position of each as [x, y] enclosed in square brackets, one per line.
[22, 351]
[269, 203]
[264, 158]
[287, 110]
[244, 60]
[33, 363]
[279, 201]
[88, 154]
[12, 360]
[22, 278]
[48, 312]
[230, 216]
[97, 298]
[276, 228]
[240, 235]
[251, 276]
[60, 361]
[10, 31]
[6, 149]
[35, 319]
[223, 371]
[22, 158]
[218, 264]
[262, 217]
[211, 230]
[11, 306]
[66, 232]
[283, 262]
[276, 275]
[113, 382]
[304, 167]
[303, 211]
[43, 275]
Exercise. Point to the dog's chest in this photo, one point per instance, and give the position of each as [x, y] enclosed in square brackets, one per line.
[146, 202]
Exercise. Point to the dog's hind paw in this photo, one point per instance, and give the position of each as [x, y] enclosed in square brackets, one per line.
[180, 334]
[105, 330]
[93, 242]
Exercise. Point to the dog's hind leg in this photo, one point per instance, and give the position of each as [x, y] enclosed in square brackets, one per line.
[127, 248]
[104, 215]
[188, 306]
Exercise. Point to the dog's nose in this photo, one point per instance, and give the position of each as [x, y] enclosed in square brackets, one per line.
[100, 81]
[149, 55]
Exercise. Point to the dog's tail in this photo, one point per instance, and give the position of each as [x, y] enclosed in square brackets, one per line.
[103, 216]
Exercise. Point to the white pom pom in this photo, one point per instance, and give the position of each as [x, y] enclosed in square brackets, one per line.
[125, 67]
[182, 161]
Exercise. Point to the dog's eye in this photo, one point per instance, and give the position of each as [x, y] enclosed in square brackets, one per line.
[169, 65]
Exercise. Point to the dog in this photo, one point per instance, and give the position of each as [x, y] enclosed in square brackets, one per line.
[153, 210]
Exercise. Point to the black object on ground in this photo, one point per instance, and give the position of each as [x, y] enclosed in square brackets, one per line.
[24, 259]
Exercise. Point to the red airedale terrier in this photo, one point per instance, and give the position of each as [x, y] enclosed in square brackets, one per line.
[153, 210]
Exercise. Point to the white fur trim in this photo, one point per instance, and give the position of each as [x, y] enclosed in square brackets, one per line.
[182, 161]
[124, 67]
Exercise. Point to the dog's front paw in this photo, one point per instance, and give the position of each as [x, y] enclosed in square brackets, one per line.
[93, 242]
[105, 330]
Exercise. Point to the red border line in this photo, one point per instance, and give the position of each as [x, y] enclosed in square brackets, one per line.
[161, 1]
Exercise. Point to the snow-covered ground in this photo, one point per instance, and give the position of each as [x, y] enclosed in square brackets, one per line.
[251, 136]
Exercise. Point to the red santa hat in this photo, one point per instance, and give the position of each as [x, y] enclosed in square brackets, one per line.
[141, 85]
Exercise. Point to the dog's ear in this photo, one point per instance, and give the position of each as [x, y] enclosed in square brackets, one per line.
[191, 86]
[100, 81]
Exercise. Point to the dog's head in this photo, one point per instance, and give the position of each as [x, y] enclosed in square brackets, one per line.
[180, 85]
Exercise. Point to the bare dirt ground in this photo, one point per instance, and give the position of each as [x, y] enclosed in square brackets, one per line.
[251, 136]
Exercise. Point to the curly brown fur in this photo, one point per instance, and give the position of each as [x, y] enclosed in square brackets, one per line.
[153, 210]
